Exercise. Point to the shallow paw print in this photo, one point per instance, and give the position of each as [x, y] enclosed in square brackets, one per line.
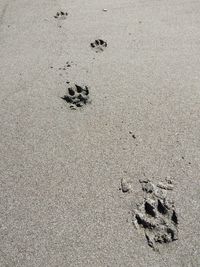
[99, 45]
[77, 96]
[66, 66]
[61, 15]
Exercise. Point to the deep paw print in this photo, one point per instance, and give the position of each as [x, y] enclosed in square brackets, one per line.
[98, 45]
[157, 215]
[61, 15]
[77, 96]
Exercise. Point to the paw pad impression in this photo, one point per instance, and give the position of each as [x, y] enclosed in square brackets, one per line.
[77, 96]
[98, 45]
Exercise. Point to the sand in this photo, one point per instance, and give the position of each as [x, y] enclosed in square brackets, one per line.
[61, 169]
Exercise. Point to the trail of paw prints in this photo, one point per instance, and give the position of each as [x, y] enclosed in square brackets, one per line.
[77, 96]
[156, 215]
[98, 45]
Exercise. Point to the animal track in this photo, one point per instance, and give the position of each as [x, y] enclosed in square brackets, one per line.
[98, 45]
[67, 65]
[157, 215]
[77, 96]
[61, 15]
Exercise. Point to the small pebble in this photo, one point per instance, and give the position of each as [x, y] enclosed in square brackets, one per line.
[125, 186]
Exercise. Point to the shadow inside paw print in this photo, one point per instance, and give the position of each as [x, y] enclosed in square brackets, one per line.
[98, 45]
[77, 96]
[61, 15]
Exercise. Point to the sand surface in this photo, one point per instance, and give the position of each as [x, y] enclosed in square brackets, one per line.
[60, 203]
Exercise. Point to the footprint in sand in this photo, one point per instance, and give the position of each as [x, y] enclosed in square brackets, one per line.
[61, 15]
[77, 96]
[156, 215]
[98, 45]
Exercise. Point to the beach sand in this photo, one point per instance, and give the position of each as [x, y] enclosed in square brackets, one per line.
[60, 203]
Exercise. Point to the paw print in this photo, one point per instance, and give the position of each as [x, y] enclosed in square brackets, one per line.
[157, 216]
[98, 45]
[77, 96]
[61, 15]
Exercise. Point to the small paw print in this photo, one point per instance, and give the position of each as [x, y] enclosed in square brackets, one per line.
[98, 45]
[61, 15]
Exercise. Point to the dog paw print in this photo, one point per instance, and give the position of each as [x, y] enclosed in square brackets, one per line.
[61, 15]
[98, 45]
[77, 96]
[157, 216]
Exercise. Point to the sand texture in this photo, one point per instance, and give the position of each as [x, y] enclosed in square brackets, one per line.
[96, 98]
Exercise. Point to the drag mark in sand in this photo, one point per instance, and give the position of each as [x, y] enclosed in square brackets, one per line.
[157, 215]
[77, 96]
[99, 45]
